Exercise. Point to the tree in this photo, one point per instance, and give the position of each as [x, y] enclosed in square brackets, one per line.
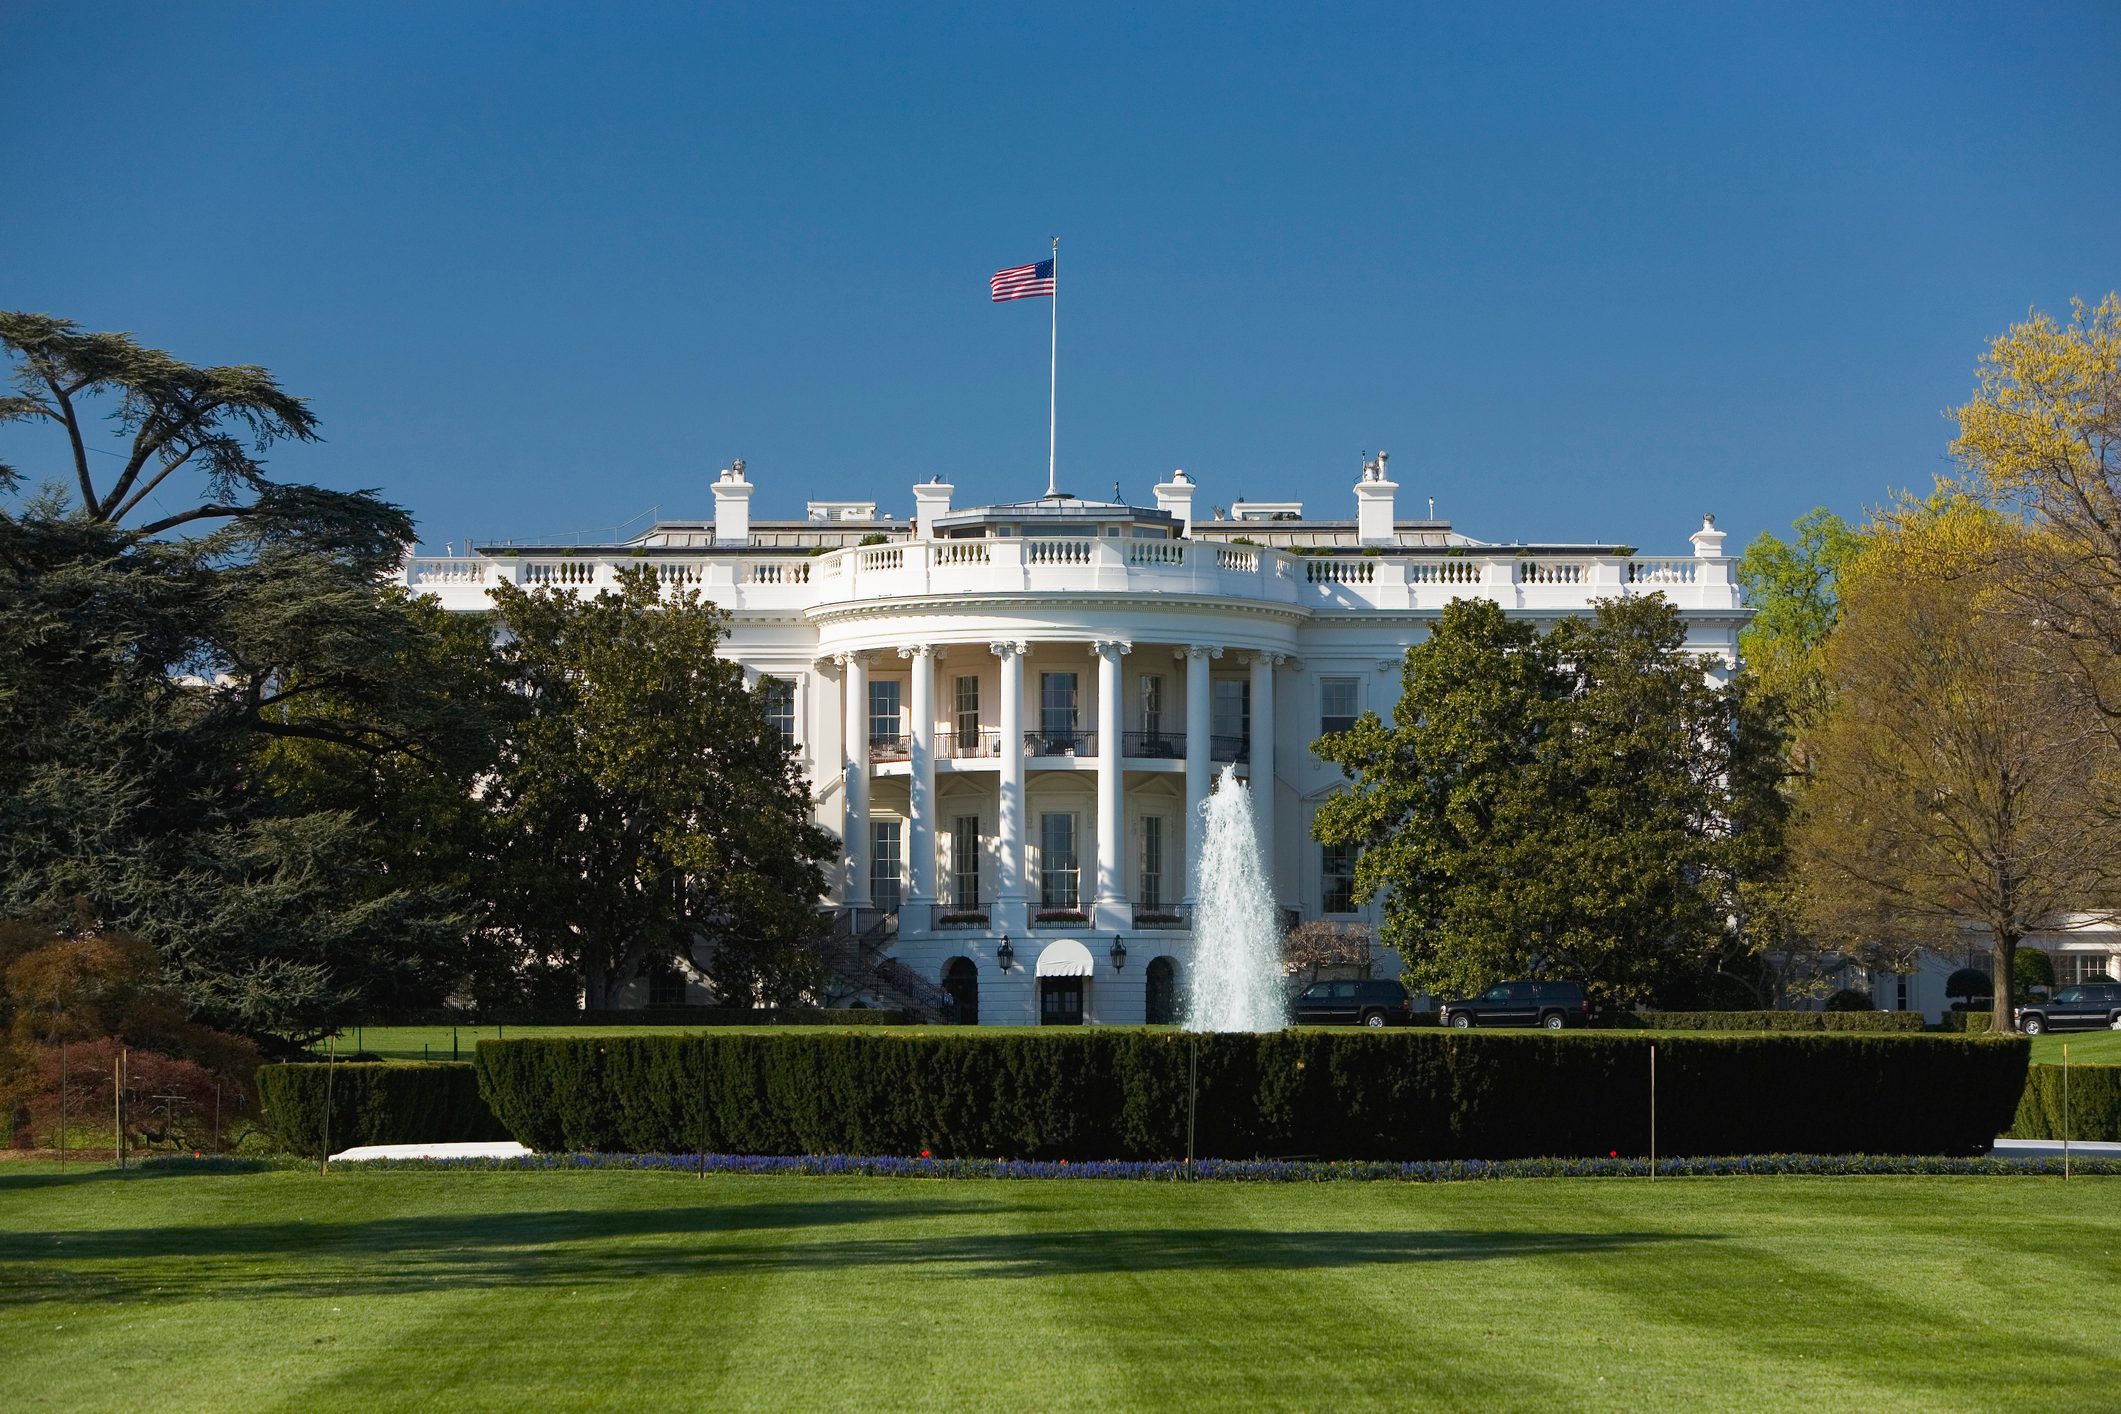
[1954, 779]
[1313, 946]
[644, 802]
[148, 671]
[2042, 435]
[1555, 805]
[1791, 588]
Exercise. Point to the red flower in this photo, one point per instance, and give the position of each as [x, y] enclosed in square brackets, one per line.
[926, 1155]
[1612, 1153]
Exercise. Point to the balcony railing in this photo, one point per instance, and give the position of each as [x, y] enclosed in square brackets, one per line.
[955, 745]
[1150, 916]
[1159, 745]
[1229, 748]
[890, 748]
[1061, 743]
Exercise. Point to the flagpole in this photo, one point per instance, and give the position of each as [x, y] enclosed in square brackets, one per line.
[1053, 380]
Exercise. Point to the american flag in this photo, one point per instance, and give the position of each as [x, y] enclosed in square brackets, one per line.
[1022, 281]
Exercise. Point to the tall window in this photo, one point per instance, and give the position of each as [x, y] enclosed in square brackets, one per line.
[1059, 877]
[778, 697]
[1233, 712]
[886, 865]
[964, 862]
[967, 715]
[1152, 876]
[1152, 705]
[1056, 708]
[883, 713]
[1336, 872]
[1336, 704]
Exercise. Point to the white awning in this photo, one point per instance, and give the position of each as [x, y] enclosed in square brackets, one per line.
[1066, 958]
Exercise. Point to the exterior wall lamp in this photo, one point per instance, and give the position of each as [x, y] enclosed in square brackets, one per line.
[1005, 956]
[1119, 954]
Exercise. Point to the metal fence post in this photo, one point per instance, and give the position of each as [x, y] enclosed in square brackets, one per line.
[1653, 1111]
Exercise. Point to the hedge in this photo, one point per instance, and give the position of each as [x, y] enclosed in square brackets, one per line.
[1389, 1095]
[655, 1016]
[1779, 1020]
[1971, 1022]
[374, 1103]
[2094, 1104]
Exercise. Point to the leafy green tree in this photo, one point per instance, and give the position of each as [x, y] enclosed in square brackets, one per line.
[644, 804]
[1791, 586]
[1557, 805]
[148, 672]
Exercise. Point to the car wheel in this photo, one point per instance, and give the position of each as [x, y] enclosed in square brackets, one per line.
[2032, 1026]
[1553, 1021]
[1373, 1018]
[1462, 1022]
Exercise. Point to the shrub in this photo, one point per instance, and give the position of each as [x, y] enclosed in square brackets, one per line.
[1976, 1023]
[2032, 967]
[1969, 982]
[2094, 1112]
[1849, 999]
[404, 1103]
[1775, 1020]
[1392, 1095]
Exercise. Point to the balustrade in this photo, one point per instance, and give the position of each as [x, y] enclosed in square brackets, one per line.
[1664, 571]
[1058, 552]
[1061, 743]
[1552, 572]
[951, 744]
[1158, 746]
[1340, 571]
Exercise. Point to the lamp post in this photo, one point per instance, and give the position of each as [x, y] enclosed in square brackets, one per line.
[1119, 954]
[1005, 956]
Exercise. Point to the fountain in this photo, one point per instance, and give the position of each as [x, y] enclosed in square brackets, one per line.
[1237, 973]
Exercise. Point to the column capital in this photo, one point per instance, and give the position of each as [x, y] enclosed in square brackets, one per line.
[1102, 646]
[920, 650]
[1008, 648]
[1198, 650]
[1386, 665]
[859, 658]
[1272, 660]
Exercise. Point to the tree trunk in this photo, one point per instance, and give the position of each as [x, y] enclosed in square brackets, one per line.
[2004, 958]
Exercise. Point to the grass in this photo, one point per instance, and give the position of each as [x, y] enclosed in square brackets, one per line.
[579, 1290]
[2085, 1047]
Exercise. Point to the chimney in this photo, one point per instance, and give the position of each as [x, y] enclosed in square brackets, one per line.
[1708, 547]
[732, 505]
[929, 501]
[1176, 497]
[1373, 503]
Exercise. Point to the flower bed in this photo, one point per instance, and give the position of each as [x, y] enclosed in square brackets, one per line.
[1273, 1170]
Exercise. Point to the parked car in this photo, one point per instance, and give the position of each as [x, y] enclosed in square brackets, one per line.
[1354, 1004]
[2085, 1007]
[1553, 1005]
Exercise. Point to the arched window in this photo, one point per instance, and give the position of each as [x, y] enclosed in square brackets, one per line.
[961, 981]
[1163, 992]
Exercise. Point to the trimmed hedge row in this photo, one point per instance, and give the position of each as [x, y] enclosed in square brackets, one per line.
[374, 1103]
[1778, 1020]
[658, 1016]
[2094, 1103]
[1393, 1095]
[1974, 1023]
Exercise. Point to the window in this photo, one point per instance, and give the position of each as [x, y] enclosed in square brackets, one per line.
[1151, 893]
[885, 865]
[883, 714]
[778, 697]
[1162, 999]
[967, 715]
[1152, 706]
[1233, 715]
[1336, 704]
[666, 983]
[1056, 708]
[1336, 874]
[1059, 879]
[964, 862]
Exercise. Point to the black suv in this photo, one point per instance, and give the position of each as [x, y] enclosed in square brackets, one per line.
[1354, 1003]
[1549, 1004]
[2084, 1007]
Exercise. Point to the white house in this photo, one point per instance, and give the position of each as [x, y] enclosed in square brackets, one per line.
[1012, 713]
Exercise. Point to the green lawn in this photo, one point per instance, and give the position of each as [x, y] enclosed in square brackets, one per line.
[576, 1290]
[2085, 1047]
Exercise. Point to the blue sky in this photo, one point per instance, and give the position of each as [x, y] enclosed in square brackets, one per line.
[1586, 271]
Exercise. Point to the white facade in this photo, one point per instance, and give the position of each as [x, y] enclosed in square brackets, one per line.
[1017, 711]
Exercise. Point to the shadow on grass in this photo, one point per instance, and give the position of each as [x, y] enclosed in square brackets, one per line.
[52, 1174]
[409, 1255]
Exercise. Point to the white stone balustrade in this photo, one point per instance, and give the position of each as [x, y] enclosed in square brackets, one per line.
[917, 569]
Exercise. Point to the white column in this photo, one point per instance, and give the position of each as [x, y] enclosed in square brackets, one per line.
[1261, 762]
[921, 786]
[854, 833]
[1200, 754]
[1010, 911]
[1111, 898]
